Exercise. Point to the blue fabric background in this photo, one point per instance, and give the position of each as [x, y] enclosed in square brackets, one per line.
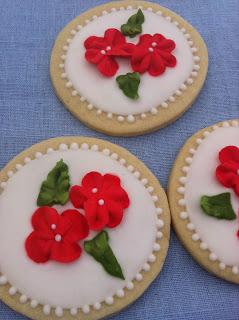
[30, 112]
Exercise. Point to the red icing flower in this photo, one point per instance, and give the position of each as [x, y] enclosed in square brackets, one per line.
[227, 172]
[102, 50]
[153, 54]
[55, 236]
[103, 199]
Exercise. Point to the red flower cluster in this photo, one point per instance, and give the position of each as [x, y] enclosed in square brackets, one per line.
[102, 51]
[56, 236]
[103, 199]
[227, 172]
[152, 53]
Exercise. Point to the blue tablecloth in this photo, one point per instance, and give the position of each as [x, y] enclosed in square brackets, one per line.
[30, 112]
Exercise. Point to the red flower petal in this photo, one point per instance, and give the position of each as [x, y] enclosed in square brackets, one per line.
[96, 215]
[115, 214]
[108, 66]
[93, 56]
[114, 37]
[168, 58]
[163, 43]
[141, 60]
[94, 42]
[145, 39]
[77, 196]
[109, 180]
[42, 220]
[123, 50]
[157, 65]
[92, 180]
[227, 174]
[64, 251]
[117, 194]
[158, 37]
[78, 228]
[229, 153]
[38, 249]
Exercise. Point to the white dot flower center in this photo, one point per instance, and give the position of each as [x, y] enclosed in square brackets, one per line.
[94, 190]
[58, 237]
[103, 52]
[53, 226]
[151, 49]
[101, 202]
[108, 48]
[154, 44]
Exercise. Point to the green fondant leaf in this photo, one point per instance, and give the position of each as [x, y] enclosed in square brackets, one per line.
[218, 206]
[133, 25]
[129, 84]
[55, 189]
[100, 250]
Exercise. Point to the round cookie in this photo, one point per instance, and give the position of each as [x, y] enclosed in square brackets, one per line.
[132, 80]
[84, 229]
[204, 198]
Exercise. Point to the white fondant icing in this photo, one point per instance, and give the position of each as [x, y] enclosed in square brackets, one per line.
[219, 236]
[152, 91]
[83, 282]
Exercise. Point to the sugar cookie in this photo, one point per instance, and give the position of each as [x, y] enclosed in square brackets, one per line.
[128, 67]
[204, 198]
[84, 229]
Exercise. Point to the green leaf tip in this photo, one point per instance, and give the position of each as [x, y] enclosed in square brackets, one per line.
[55, 189]
[133, 25]
[129, 84]
[218, 206]
[99, 249]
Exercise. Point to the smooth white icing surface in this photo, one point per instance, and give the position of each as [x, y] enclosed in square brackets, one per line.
[219, 235]
[103, 92]
[83, 282]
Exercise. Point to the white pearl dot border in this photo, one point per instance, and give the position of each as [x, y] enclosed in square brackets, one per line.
[154, 111]
[59, 311]
[182, 202]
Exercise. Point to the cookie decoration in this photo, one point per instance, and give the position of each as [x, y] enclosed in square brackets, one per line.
[128, 67]
[84, 229]
[204, 198]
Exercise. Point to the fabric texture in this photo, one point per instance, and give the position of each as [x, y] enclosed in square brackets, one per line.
[30, 112]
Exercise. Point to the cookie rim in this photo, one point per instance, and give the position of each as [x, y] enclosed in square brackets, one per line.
[130, 125]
